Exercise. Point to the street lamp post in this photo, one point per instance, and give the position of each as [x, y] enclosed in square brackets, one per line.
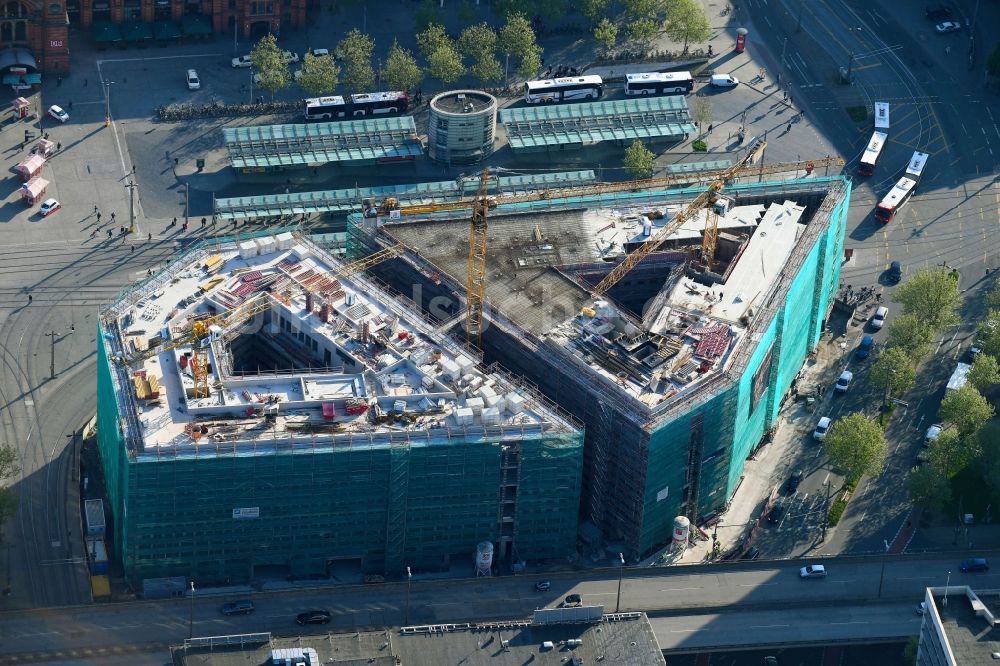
[191, 614]
[881, 575]
[107, 103]
[621, 570]
[406, 613]
[946, 586]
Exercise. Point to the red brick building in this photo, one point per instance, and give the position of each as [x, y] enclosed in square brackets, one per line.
[34, 34]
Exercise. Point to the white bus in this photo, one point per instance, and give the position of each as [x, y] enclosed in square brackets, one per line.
[659, 83]
[869, 159]
[379, 103]
[325, 108]
[560, 90]
[916, 166]
[892, 202]
[882, 116]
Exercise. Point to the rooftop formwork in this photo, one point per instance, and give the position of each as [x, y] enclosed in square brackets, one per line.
[321, 423]
[679, 371]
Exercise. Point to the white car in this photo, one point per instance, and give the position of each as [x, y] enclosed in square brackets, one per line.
[933, 433]
[813, 571]
[49, 206]
[948, 26]
[724, 81]
[58, 113]
[319, 53]
[878, 321]
[242, 62]
[290, 56]
[843, 382]
[819, 434]
[193, 82]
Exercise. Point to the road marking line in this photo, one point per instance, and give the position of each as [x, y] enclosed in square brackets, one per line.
[170, 57]
[777, 626]
[679, 589]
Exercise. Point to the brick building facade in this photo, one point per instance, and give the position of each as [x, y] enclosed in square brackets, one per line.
[34, 34]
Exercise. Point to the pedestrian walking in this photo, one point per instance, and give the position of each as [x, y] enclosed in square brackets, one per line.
[109, 233]
[29, 299]
[149, 236]
[98, 217]
[93, 233]
[203, 222]
[947, 50]
[58, 146]
[95, 208]
[777, 78]
[122, 229]
[174, 223]
[710, 128]
[788, 129]
[132, 249]
[112, 216]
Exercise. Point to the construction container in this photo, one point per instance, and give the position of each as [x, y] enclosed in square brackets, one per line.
[97, 555]
[100, 587]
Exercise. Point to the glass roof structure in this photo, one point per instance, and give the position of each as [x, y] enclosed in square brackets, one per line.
[349, 200]
[386, 139]
[594, 122]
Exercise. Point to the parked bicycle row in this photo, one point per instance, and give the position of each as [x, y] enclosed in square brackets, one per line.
[218, 110]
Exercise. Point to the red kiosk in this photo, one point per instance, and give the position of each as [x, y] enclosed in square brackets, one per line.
[30, 167]
[34, 190]
[21, 107]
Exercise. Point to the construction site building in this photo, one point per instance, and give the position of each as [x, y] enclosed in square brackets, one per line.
[265, 410]
[679, 370]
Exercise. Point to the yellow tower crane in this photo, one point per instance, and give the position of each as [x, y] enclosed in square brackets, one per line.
[481, 203]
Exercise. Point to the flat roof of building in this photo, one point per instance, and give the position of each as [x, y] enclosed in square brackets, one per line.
[617, 639]
[458, 101]
[542, 266]
[971, 636]
[341, 357]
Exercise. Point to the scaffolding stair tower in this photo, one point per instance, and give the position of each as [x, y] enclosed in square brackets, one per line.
[395, 527]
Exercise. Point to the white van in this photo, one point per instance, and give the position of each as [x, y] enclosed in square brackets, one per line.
[192, 80]
[724, 81]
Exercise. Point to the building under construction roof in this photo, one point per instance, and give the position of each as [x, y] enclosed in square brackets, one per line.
[264, 409]
[679, 370]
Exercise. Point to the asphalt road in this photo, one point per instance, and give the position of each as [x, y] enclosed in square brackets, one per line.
[761, 587]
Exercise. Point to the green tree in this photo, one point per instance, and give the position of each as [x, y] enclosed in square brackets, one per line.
[8, 470]
[643, 31]
[856, 444]
[432, 38]
[428, 14]
[445, 65]
[639, 160]
[478, 41]
[517, 40]
[992, 299]
[993, 62]
[401, 70]
[966, 409]
[932, 295]
[893, 372]
[928, 487]
[606, 34]
[318, 75]
[984, 372]
[989, 454]
[593, 9]
[988, 333]
[546, 9]
[486, 68]
[687, 22]
[950, 453]
[909, 333]
[271, 66]
[702, 113]
[644, 9]
[356, 49]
